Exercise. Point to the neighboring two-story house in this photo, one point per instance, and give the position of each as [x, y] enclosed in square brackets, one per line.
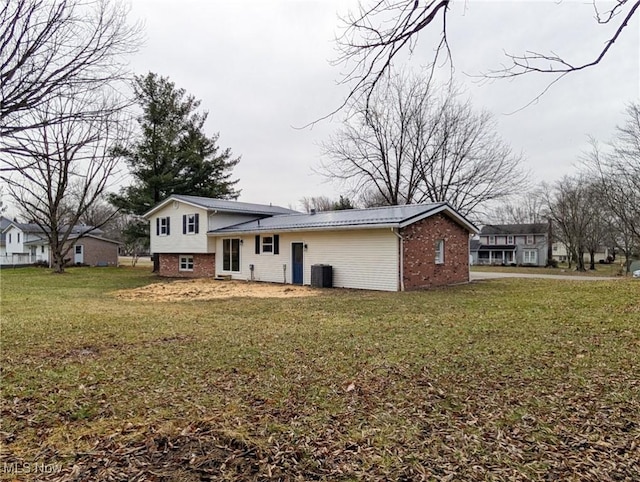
[390, 248]
[512, 244]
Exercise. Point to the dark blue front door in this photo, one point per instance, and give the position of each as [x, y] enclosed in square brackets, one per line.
[297, 256]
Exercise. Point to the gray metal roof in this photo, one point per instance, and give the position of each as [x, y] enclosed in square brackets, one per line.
[389, 216]
[33, 228]
[226, 205]
[536, 228]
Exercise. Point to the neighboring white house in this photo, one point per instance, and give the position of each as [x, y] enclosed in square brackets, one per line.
[390, 248]
[560, 253]
[25, 243]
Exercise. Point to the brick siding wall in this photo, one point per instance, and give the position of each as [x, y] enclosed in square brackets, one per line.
[204, 265]
[420, 269]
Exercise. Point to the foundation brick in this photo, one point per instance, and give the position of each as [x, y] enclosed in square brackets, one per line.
[204, 265]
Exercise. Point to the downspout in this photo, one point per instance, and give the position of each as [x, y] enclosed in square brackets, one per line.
[394, 231]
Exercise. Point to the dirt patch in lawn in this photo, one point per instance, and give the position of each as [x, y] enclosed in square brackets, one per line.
[209, 289]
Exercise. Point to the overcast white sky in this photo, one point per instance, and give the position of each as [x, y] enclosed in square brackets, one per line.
[262, 67]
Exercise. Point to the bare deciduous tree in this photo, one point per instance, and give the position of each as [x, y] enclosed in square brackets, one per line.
[380, 30]
[616, 168]
[58, 171]
[572, 205]
[527, 208]
[316, 203]
[413, 144]
[52, 49]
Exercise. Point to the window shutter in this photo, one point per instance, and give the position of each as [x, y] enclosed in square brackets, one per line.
[168, 219]
[276, 244]
[197, 222]
[157, 227]
[184, 224]
[257, 244]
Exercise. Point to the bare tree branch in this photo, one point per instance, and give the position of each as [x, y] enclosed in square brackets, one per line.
[414, 144]
[375, 35]
[58, 171]
[54, 49]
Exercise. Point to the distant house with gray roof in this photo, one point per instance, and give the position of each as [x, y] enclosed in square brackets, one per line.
[390, 248]
[512, 244]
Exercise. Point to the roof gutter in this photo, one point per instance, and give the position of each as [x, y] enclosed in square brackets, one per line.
[395, 231]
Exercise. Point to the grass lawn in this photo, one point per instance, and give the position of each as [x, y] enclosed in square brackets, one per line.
[613, 269]
[517, 379]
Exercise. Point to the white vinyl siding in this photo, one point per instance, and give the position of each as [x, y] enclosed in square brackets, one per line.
[176, 242]
[366, 259]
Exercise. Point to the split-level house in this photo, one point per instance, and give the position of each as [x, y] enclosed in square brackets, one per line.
[391, 248]
[27, 243]
[512, 244]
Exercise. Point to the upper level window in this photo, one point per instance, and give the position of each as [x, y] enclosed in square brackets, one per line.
[509, 239]
[163, 226]
[529, 238]
[9, 237]
[492, 240]
[190, 223]
[18, 237]
[440, 251]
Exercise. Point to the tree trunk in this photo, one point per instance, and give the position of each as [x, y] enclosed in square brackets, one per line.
[57, 256]
[592, 260]
[580, 261]
[58, 263]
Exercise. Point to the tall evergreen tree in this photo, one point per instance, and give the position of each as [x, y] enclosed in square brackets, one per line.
[173, 155]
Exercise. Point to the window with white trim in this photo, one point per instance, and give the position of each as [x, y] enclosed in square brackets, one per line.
[231, 254]
[492, 240]
[509, 239]
[162, 226]
[186, 263]
[530, 239]
[267, 244]
[530, 256]
[190, 223]
[440, 251]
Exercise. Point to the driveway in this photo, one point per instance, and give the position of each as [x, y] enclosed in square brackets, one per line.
[481, 275]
